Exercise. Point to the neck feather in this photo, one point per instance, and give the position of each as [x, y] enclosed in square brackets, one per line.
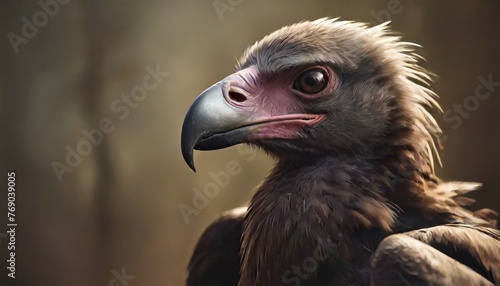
[310, 208]
[311, 211]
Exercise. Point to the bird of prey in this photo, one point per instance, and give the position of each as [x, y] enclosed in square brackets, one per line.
[353, 199]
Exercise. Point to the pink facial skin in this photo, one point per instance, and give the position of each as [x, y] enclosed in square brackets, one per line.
[274, 108]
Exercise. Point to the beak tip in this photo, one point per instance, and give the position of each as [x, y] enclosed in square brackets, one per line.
[188, 158]
[191, 165]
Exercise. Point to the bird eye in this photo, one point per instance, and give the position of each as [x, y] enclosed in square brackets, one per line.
[311, 81]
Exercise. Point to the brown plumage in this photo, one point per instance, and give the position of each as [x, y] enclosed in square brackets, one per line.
[353, 198]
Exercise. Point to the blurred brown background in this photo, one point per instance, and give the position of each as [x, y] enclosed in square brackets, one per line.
[118, 209]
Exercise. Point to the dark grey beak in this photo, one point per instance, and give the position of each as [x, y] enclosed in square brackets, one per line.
[211, 123]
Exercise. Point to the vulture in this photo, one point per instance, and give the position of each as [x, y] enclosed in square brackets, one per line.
[345, 110]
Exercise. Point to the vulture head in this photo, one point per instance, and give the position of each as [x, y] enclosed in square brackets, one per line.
[315, 89]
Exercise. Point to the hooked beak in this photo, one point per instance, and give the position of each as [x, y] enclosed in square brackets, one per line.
[211, 123]
[217, 120]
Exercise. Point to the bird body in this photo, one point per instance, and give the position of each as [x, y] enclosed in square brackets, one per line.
[353, 198]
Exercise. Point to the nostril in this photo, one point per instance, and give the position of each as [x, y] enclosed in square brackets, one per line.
[236, 96]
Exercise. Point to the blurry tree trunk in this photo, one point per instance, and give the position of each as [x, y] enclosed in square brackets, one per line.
[95, 35]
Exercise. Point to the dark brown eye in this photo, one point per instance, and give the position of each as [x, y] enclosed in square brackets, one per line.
[311, 81]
